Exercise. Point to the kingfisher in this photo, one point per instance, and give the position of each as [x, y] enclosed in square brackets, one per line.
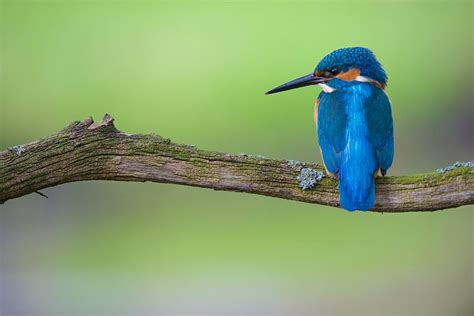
[354, 123]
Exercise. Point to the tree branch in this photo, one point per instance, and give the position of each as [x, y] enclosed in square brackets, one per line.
[98, 151]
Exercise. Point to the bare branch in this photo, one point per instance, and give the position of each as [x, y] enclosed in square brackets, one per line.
[98, 151]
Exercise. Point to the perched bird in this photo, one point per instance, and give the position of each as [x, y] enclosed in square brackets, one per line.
[354, 122]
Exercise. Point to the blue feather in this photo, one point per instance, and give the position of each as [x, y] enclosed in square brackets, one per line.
[379, 120]
[355, 132]
[355, 57]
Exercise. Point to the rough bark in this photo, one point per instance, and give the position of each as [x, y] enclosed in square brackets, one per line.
[98, 151]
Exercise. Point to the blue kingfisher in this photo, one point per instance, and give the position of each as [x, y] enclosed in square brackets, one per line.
[354, 122]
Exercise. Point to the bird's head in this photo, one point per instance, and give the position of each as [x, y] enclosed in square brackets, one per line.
[347, 64]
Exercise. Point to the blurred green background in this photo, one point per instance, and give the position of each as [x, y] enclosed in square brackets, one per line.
[196, 72]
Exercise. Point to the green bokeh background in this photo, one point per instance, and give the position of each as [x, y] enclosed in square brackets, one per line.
[196, 72]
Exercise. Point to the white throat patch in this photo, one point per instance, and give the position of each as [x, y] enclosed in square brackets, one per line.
[326, 88]
[364, 79]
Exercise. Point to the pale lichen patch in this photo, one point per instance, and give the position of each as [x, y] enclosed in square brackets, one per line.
[19, 149]
[308, 178]
[295, 164]
[457, 164]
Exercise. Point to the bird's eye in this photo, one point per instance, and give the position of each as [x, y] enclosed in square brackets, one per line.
[331, 73]
[335, 71]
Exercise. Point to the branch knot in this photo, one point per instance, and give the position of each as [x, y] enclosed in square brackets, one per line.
[107, 120]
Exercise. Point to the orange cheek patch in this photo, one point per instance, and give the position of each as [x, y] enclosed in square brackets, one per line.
[349, 75]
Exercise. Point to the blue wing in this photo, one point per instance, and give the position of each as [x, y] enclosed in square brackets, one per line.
[355, 147]
[379, 119]
[332, 122]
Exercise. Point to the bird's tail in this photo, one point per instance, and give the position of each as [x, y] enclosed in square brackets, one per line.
[357, 182]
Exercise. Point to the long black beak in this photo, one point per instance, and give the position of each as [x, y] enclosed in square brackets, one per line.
[307, 80]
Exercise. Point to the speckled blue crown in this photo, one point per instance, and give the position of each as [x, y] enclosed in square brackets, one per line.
[354, 57]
